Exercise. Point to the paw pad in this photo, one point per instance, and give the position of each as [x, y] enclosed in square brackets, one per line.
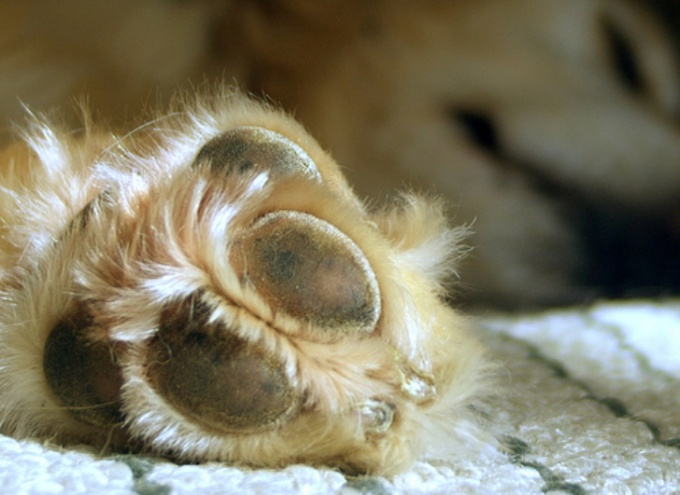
[249, 148]
[214, 377]
[83, 374]
[308, 269]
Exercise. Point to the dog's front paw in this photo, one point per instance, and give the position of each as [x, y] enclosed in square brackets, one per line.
[219, 293]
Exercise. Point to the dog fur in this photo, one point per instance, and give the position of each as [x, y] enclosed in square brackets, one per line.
[531, 116]
[116, 247]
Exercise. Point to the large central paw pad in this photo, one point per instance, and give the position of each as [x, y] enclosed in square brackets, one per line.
[308, 269]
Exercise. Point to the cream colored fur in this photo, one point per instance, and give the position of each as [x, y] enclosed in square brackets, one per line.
[157, 230]
[381, 85]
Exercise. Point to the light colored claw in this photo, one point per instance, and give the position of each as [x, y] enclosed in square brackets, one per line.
[417, 385]
[376, 416]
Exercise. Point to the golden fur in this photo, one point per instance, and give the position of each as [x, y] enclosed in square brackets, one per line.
[103, 234]
[119, 251]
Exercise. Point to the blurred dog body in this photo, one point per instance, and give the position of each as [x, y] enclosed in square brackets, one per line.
[551, 127]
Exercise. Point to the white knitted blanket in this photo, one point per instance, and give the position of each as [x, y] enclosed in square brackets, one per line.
[594, 407]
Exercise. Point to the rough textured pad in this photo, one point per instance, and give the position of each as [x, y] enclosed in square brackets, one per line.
[214, 377]
[84, 375]
[253, 148]
[308, 269]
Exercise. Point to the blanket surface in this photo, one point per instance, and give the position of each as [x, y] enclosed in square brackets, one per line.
[593, 406]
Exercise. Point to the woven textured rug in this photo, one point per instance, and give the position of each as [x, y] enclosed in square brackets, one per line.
[593, 406]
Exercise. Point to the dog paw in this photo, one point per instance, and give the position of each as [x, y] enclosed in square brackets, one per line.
[234, 303]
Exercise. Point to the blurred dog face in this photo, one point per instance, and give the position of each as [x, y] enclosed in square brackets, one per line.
[208, 287]
[551, 125]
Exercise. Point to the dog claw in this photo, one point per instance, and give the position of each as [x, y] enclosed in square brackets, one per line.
[417, 385]
[376, 416]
